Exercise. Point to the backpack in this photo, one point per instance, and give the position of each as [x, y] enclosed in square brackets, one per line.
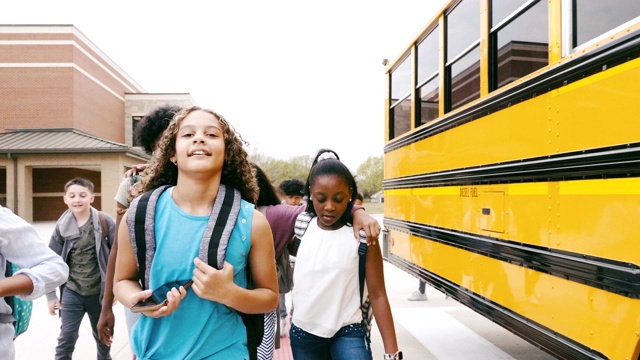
[213, 247]
[302, 222]
[285, 272]
[20, 309]
[103, 227]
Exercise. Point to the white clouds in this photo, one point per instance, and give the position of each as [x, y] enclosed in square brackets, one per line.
[291, 76]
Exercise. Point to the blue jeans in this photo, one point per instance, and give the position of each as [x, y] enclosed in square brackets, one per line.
[349, 343]
[73, 308]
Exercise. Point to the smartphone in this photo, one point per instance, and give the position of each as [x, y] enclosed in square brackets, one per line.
[158, 298]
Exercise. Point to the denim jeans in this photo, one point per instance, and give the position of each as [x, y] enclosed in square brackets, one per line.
[349, 343]
[73, 308]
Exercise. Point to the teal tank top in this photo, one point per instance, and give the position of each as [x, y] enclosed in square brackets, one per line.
[198, 329]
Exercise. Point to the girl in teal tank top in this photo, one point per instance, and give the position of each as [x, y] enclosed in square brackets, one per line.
[198, 152]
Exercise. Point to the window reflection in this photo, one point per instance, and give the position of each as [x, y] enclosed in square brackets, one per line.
[428, 79]
[463, 27]
[428, 56]
[401, 81]
[429, 95]
[465, 79]
[501, 9]
[522, 45]
[463, 31]
[596, 17]
[401, 118]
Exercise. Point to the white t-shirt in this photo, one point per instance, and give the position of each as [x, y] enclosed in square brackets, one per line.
[326, 295]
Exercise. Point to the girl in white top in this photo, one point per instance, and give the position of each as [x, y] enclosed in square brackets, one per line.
[326, 297]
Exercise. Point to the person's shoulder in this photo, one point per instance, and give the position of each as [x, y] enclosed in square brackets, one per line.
[10, 221]
[65, 217]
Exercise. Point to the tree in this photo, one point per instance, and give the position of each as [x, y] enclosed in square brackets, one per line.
[369, 176]
[278, 170]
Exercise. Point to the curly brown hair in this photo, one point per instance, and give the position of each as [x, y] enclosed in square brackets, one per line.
[236, 170]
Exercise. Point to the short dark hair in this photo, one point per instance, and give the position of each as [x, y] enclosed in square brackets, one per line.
[292, 187]
[79, 181]
[359, 196]
[153, 124]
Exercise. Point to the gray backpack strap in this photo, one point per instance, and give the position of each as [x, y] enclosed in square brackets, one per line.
[222, 220]
[140, 221]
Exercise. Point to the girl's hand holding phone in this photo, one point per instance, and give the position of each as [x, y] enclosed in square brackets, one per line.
[161, 302]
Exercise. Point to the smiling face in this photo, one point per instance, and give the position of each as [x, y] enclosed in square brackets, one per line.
[330, 195]
[78, 198]
[200, 144]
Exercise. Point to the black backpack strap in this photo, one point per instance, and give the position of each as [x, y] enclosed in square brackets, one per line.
[140, 221]
[362, 261]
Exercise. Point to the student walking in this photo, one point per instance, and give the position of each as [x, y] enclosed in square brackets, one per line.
[328, 263]
[201, 157]
[41, 271]
[84, 244]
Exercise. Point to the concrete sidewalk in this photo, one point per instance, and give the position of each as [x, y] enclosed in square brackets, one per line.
[40, 340]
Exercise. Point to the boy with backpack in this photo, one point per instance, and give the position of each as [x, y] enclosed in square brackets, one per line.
[83, 237]
[41, 271]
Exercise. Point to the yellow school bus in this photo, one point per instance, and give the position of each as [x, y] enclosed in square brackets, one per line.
[512, 168]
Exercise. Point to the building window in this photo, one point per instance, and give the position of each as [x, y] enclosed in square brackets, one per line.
[135, 120]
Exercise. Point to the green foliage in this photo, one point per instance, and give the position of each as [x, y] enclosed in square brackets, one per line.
[278, 170]
[369, 176]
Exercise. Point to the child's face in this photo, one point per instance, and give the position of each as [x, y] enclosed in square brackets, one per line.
[78, 198]
[200, 144]
[330, 195]
[293, 199]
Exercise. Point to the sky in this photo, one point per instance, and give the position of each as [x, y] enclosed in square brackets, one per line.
[290, 76]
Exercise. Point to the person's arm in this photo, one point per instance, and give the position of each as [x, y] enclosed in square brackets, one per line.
[41, 269]
[379, 301]
[106, 323]
[135, 169]
[126, 287]
[366, 222]
[16, 285]
[217, 285]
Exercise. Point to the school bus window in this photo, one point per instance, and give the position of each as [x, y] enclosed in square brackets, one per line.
[596, 17]
[501, 9]
[463, 54]
[428, 79]
[519, 44]
[465, 79]
[463, 27]
[400, 112]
